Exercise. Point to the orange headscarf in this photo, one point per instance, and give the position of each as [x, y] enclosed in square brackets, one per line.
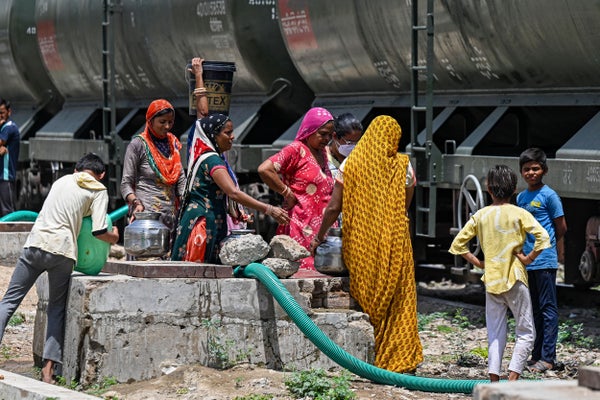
[169, 168]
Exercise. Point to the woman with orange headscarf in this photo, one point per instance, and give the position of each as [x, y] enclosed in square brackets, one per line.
[299, 172]
[153, 177]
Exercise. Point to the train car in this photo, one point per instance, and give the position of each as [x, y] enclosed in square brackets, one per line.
[493, 77]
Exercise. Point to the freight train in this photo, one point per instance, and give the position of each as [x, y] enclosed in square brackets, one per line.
[472, 83]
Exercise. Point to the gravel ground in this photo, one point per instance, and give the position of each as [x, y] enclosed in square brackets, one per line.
[453, 336]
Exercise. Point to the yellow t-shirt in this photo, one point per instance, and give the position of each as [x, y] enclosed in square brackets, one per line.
[501, 231]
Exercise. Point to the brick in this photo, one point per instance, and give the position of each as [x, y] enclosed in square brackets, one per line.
[589, 377]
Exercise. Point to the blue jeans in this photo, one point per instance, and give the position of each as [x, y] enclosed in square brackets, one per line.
[542, 287]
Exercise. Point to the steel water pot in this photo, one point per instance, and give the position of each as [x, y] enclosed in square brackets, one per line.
[328, 255]
[146, 236]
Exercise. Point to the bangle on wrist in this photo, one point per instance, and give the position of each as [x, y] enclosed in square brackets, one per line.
[286, 191]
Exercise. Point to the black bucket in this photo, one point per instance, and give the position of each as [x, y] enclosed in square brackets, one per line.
[218, 80]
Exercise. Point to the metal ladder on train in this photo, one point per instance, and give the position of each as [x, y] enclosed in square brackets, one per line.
[425, 154]
[116, 145]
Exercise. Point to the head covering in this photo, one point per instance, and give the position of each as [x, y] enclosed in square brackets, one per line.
[157, 106]
[315, 118]
[203, 136]
[204, 142]
[166, 162]
[374, 215]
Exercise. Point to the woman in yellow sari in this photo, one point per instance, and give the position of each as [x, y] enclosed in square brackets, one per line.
[376, 244]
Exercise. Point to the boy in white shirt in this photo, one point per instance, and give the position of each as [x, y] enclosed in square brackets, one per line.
[52, 246]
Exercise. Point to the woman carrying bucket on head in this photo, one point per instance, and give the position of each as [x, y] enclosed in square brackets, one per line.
[212, 195]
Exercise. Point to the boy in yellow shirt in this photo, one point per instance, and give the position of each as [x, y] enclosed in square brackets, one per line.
[501, 229]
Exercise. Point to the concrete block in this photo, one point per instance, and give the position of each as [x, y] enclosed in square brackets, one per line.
[589, 377]
[13, 236]
[12, 245]
[16, 226]
[533, 390]
[19, 387]
[132, 328]
[168, 269]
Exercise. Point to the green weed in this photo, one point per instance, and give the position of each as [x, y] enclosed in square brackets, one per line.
[99, 388]
[569, 332]
[254, 397]
[17, 319]
[423, 320]
[316, 384]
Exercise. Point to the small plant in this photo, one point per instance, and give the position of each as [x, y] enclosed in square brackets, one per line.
[510, 330]
[218, 349]
[182, 390]
[99, 388]
[480, 351]
[254, 397]
[17, 319]
[5, 352]
[315, 384]
[445, 329]
[61, 381]
[569, 332]
[461, 320]
[425, 319]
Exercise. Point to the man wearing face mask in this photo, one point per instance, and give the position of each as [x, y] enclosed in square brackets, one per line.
[347, 131]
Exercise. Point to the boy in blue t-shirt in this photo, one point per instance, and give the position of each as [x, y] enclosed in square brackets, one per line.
[546, 206]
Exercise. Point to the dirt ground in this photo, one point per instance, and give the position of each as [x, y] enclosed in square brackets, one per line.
[197, 382]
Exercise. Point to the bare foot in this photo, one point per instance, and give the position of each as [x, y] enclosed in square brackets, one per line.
[513, 376]
[48, 372]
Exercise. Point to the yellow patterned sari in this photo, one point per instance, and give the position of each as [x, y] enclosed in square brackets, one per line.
[377, 247]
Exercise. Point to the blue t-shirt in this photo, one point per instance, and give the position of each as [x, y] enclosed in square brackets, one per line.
[545, 205]
[9, 132]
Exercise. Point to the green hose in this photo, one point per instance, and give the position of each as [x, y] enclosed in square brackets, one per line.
[118, 213]
[339, 355]
[20, 216]
[30, 216]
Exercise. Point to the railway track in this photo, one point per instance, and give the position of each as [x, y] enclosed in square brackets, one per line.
[440, 281]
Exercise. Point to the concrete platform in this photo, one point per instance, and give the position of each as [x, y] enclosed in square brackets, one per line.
[168, 269]
[535, 390]
[134, 328]
[19, 387]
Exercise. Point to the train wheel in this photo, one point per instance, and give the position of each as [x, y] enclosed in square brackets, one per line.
[469, 203]
[587, 270]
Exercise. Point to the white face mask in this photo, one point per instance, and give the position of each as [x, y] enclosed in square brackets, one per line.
[346, 149]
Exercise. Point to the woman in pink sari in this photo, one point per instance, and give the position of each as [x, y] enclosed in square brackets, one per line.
[299, 172]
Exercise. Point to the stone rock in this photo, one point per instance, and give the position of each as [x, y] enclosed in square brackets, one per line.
[281, 267]
[117, 251]
[243, 250]
[283, 246]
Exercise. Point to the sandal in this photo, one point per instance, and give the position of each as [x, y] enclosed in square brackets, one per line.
[540, 367]
[531, 362]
